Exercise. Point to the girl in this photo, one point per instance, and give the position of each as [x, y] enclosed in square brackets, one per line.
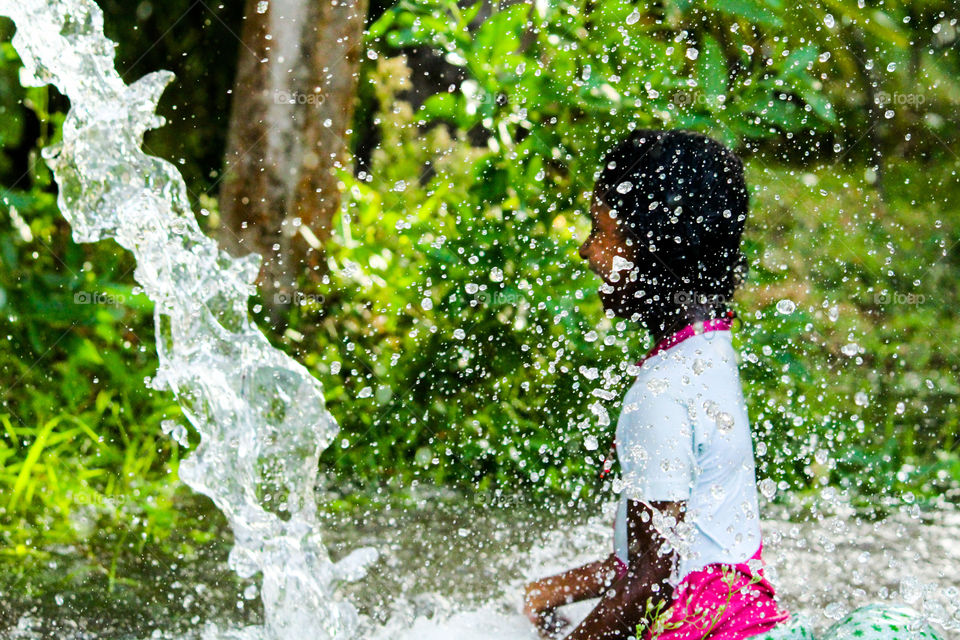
[667, 214]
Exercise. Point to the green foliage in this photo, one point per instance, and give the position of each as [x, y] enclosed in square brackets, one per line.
[81, 447]
[544, 79]
[857, 387]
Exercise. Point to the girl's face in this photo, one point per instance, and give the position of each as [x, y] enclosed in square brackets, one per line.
[608, 256]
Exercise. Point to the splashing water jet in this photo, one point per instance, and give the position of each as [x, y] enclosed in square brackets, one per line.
[261, 415]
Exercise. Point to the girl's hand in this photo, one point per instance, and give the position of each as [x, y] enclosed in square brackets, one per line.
[551, 625]
[532, 599]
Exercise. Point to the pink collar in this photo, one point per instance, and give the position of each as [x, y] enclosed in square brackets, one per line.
[718, 324]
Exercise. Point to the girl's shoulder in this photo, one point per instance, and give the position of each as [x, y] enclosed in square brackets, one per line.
[698, 357]
[695, 376]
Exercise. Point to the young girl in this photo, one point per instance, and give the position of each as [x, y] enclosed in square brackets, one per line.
[667, 215]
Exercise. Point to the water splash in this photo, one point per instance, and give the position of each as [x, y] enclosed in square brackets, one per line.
[261, 415]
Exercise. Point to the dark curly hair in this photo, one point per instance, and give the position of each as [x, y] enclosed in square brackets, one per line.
[684, 198]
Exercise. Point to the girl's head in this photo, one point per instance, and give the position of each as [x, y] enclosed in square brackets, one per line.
[667, 215]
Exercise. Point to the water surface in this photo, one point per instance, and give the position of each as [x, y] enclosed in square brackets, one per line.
[451, 567]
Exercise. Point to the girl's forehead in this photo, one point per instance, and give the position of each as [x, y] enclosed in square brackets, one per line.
[604, 214]
[598, 206]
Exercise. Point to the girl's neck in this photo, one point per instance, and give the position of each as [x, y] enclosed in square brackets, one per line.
[668, 324]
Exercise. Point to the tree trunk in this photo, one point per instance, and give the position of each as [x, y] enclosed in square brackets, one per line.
[291, 110]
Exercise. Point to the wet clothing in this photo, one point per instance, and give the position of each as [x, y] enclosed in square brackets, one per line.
[870, 622]
[720, 602]
[684, 435]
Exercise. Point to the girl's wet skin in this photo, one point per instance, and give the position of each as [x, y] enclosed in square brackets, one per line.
[611, 254]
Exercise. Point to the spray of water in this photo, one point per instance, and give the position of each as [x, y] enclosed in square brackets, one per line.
[261, 416]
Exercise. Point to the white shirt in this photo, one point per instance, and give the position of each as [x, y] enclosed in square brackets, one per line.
[684, 435]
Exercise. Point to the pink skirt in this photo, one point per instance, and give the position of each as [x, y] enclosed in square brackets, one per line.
[720, 602]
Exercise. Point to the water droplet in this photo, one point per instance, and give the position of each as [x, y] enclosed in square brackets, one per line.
[850, 349]
[768, 488]
[717, 491]
[590, 443]
[603, 394]
[624, 187]
[262, 6]
[496, 274]
[634, 17]
[657, 385]
[786, 307]
[176, 431]
[724, 421]
[619, 264]
[603, 418]
[427, 304]
[910, 589]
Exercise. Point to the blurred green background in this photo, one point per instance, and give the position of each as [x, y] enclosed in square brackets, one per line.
[458, 335]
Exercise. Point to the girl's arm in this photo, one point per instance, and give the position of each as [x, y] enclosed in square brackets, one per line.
[574, 585]
[624, 606]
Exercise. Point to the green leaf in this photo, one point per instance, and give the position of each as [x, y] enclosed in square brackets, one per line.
[499, 35]
[441, 105]
[753, 10]
[712, 71]
[781, 113]
[819, 103]
[378, 28]
[469, 14]
[798, 61]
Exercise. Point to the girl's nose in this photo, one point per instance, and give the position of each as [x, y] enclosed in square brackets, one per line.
[583, 250]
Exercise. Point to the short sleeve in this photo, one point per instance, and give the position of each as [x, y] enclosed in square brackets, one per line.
[655, 446]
